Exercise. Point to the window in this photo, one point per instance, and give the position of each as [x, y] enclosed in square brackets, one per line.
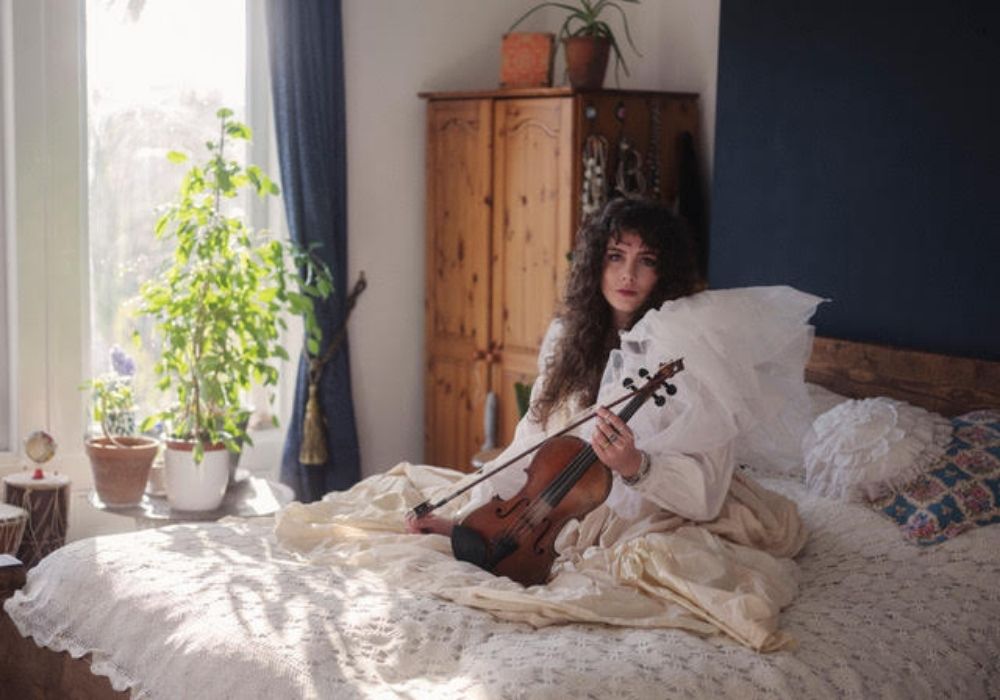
[156, 74]
[85, 124]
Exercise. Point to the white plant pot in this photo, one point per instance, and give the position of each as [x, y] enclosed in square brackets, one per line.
[196, 487]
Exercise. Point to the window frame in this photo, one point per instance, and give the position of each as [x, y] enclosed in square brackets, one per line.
[6, 287]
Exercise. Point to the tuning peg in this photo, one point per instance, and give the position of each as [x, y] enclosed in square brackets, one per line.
[643, 372]
[658, 400]
[671, 389]
[628, 383]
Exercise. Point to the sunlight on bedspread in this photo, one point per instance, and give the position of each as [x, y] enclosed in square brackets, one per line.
[221, 610]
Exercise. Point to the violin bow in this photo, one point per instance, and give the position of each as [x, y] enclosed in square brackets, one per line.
[666, 371]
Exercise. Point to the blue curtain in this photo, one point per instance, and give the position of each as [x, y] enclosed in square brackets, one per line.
[305, 42]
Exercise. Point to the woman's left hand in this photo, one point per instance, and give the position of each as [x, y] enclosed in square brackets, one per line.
[614, 444]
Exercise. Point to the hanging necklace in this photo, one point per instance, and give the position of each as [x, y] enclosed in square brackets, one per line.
[595, 168]
[629, 181]
[653, 161]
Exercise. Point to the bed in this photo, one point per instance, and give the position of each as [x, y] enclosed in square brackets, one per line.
[224, 611]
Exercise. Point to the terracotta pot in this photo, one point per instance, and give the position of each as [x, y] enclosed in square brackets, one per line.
[195, 487]
[120, 473]
[586, 61]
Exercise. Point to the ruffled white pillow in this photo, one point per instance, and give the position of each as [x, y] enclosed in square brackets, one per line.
[861, 449]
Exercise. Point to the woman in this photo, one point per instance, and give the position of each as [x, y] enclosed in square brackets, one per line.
[632, 262]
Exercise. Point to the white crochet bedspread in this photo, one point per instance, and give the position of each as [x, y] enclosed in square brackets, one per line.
[214, 611]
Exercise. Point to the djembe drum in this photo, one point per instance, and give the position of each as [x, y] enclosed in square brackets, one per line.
[46, 501]
[12, 522]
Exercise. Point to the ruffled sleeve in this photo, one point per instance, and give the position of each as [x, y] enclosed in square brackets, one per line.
[744, 353]
[693, 486]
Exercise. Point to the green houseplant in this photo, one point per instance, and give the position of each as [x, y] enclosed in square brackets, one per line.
[587, 39]
[120, 460]
[218, 308]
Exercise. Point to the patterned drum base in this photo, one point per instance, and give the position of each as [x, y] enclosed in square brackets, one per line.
[12, 522]
[46, 502]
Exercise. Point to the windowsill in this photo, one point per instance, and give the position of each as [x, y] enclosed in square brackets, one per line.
[263, 458]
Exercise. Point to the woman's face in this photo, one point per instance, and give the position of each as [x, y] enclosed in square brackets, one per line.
[629, 276]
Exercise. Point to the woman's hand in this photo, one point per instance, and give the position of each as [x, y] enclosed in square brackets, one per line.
[614, 444]
[428, 524]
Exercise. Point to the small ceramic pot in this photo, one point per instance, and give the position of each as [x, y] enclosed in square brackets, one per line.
[586, 61]
[195, 487]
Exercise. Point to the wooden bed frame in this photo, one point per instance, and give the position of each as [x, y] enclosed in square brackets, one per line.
[948, 385]
[942, 383]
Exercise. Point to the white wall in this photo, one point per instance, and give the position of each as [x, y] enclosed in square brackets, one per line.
[393, 50]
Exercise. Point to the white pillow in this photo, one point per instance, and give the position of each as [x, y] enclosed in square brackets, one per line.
[861, 449]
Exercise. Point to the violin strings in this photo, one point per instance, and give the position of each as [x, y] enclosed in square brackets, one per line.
[570, 474]
[526, 519]
[566, 479]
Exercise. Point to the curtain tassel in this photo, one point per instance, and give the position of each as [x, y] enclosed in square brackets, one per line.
[313, 451]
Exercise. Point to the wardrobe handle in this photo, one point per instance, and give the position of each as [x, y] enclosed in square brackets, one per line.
[493, 354]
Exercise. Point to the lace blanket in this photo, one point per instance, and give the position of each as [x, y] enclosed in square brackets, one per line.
[222, 610]
[659, 571]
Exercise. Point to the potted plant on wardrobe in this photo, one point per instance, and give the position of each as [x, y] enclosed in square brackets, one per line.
[120, 460]
[588, 39]
[218, 308]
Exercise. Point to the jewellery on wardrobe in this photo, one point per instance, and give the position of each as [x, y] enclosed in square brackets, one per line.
[595, 168]
[629, 181]
[653, 159]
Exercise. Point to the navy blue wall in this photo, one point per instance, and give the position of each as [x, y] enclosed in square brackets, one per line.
[858, 157]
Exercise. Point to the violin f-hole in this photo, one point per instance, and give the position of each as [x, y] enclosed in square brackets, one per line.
[543, 529]
[501, 513]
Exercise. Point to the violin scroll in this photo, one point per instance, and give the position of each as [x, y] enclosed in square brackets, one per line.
[666, 371]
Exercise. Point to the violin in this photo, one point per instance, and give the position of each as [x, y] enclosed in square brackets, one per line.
[515, 537]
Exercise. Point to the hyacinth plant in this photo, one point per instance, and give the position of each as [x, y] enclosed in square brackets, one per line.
[219, 303]
[112, 397]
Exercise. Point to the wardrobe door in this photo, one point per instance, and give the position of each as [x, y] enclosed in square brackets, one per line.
[458, 278]
[532, 225]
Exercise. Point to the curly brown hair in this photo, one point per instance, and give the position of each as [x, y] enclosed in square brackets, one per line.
[589, 334]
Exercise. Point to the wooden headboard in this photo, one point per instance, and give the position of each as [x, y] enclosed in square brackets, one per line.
[942, 383]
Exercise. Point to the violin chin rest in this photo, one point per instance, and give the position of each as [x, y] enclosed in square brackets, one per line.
[468, 545]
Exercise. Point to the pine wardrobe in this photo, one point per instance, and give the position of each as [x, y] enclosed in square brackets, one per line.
[510, 175]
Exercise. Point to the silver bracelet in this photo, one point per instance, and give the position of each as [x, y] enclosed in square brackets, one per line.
[641, 474]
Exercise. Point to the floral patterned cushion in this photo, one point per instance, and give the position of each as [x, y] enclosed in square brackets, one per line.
[960, 492]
